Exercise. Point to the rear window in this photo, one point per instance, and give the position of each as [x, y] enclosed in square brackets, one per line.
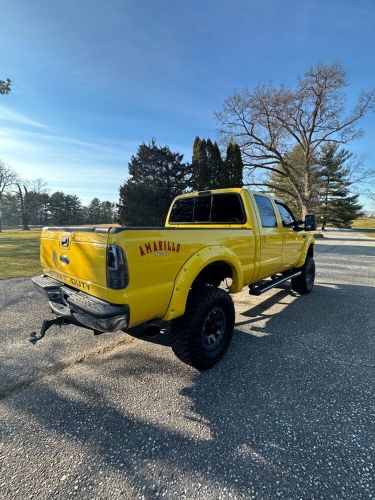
[214, 209]
[182, 210]
[202, 209]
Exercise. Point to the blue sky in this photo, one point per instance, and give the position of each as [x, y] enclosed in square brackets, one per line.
[91, 80]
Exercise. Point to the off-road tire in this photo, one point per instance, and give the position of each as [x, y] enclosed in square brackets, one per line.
[304, 283]
[206, 306]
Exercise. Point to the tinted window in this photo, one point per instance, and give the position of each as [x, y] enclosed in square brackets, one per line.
[218, 208]
[182, 210]
[227, 208]
[202, 209]
[266, 211]
[286, 215]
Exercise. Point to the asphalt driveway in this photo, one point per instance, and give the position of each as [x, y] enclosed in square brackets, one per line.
[288, 413]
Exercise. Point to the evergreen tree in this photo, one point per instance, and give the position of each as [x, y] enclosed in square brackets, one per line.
[232, 170]
[65, 209]
[100, 212]
[57, 208]
[93, 212]
[199, 166]
[337, 205]
[74, 209]
[214, 165]
[207, 165]
[107, 212]
[157, 175]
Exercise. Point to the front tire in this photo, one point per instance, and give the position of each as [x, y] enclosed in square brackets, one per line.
[304, 283]
[202, 335]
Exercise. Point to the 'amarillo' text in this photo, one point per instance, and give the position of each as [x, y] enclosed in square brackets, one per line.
[159, 246]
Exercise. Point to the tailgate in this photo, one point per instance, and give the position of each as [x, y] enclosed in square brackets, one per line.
[76, 257]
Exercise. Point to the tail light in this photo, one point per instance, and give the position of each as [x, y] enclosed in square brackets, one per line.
[117, 268]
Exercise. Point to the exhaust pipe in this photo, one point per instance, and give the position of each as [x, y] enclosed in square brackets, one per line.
[151, 330]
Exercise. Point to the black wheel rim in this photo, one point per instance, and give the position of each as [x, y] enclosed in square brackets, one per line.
[213, 328]
[310, 276]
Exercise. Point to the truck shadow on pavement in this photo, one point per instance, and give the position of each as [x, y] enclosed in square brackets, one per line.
[287, 414]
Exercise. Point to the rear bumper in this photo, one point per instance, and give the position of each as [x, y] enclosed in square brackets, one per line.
[83, 308]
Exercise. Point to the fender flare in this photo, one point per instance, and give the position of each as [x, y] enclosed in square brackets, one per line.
[190, 270]
[308, 243]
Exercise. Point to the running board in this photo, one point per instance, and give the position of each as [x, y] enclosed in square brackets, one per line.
[264, 287]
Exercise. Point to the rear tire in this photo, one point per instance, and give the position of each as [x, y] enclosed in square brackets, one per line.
[202, 335]
[304, 283]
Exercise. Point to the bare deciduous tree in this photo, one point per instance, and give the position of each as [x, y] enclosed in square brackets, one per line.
[268, 122]
[26, 197]
[7, 178]
[371, 195]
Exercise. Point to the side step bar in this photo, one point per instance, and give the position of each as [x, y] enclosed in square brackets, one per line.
[258, 289]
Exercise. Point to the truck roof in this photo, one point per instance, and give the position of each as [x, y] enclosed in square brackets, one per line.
[226, 190]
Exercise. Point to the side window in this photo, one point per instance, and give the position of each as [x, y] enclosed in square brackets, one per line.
[286, 215]
[266, 211]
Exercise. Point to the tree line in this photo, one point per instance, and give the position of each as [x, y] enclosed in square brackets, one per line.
[30, 204]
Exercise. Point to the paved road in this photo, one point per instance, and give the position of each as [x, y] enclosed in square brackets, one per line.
[288, 413]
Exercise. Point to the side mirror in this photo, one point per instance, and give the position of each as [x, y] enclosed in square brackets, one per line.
[310, 222]
[295, 225]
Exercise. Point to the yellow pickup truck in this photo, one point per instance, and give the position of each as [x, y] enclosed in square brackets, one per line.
[213, 244]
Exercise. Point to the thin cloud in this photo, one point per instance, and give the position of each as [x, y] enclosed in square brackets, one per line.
[8, 114]
[66, 163]
[16, 142]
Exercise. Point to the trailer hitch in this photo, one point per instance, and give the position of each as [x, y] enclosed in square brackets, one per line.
[47, 323]
[60, 321]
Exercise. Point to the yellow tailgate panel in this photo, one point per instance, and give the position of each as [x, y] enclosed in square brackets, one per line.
[76, 258]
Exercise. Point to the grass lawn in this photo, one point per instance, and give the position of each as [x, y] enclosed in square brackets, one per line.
[365, 223]
[19, 253]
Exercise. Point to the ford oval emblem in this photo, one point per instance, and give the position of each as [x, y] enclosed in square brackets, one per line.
[64, 259]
